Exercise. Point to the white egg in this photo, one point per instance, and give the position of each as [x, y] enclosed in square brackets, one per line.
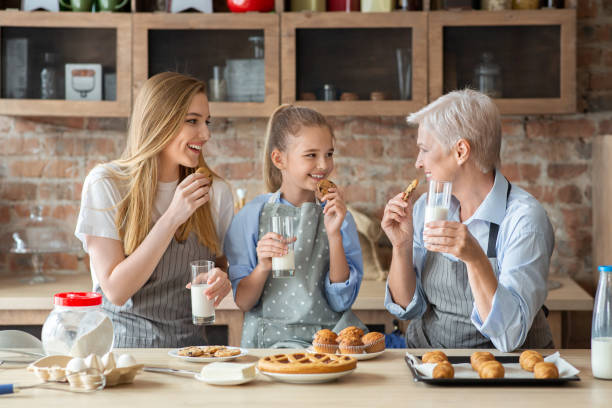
[126, 360]
[94, 361]
[108, 360]
[76, 365]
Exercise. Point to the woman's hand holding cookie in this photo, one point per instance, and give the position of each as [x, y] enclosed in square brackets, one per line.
[334, 211]
[190, 194]
[397, 221]
[270, 246]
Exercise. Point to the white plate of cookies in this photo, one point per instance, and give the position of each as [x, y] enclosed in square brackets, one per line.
[207, 354]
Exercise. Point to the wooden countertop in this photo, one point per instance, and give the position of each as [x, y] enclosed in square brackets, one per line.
[382, 382]
[15, 295]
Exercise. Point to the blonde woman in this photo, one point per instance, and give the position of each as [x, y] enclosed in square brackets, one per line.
[477, 280]
[144, 216]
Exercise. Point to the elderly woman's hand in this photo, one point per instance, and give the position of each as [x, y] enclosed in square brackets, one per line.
[453, 238]
[397, 221]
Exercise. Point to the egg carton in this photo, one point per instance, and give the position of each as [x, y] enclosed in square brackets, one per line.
[85, 373]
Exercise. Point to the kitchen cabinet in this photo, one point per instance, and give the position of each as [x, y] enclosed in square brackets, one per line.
[194, 44]
[368, 64]
[352, 59]
[534, 49]
[102, 42]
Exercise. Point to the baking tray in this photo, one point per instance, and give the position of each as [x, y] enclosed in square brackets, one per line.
[486, 381]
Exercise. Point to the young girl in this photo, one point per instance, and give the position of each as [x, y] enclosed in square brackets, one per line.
[145, 216]
[287, 312]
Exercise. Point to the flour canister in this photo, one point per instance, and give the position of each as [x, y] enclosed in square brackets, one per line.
[77, 326]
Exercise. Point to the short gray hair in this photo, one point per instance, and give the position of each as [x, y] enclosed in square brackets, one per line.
[468, 115]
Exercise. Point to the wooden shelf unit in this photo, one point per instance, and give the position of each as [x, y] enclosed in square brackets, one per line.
[415, 21]
[119, 22]
[564, 19]
[268, 23]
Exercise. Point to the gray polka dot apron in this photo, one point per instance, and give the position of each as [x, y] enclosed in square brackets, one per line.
[159, 314]
[447, 321]
[291, 310]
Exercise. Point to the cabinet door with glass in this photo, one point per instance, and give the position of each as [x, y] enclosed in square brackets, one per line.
[524, 59]
[368, 64]
[65, 64]
[235, 54]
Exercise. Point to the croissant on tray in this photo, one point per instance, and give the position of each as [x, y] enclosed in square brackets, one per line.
[491, 369]
[479, 357]
[529, 359]
[545, 370]
[443, 369]
[434, 357]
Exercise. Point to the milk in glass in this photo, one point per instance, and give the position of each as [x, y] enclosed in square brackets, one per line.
[202, 308]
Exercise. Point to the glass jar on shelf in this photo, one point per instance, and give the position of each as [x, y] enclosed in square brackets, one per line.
[487, 76]
[525, 4]
[49, 77]
[495, 5]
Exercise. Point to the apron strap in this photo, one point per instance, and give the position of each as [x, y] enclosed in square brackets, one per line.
[494, 230]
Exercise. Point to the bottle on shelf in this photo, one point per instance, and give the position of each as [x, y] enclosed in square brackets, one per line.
[49, 77]
[487, 76]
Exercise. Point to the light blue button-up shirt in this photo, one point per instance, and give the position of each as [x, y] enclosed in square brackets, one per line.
[241, 244]
[524, 245]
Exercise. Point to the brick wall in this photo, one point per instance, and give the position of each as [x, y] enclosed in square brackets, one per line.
[44, 160]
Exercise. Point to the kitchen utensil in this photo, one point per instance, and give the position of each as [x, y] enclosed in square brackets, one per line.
[167, 370]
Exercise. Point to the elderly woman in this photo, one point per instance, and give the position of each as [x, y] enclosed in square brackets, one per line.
[477, 280]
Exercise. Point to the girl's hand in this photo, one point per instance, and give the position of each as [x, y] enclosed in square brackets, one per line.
[190, 194]
[218, 284]
[453, 238]
[334, 211]
[397, 221]
[269, 246]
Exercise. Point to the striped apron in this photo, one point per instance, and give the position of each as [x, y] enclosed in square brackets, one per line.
[291, 310]
[447, 321]
[159, 314]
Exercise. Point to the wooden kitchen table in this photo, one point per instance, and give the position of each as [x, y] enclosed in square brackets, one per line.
[382, 382]
[22, 304]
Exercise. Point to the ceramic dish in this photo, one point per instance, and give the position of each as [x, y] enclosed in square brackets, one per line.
[306, 378]
[174, 353]
[215, 381]
[359, 357]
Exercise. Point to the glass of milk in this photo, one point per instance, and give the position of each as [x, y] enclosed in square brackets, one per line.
[283, 267]
[601, 331]
[438, 200]
[202, 308]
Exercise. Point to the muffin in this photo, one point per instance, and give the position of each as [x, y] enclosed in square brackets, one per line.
[325, 342]
[373, 342]
[351, 345]
[350, 331]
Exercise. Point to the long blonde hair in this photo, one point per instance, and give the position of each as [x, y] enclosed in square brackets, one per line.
[157, 117]
[286, 120]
